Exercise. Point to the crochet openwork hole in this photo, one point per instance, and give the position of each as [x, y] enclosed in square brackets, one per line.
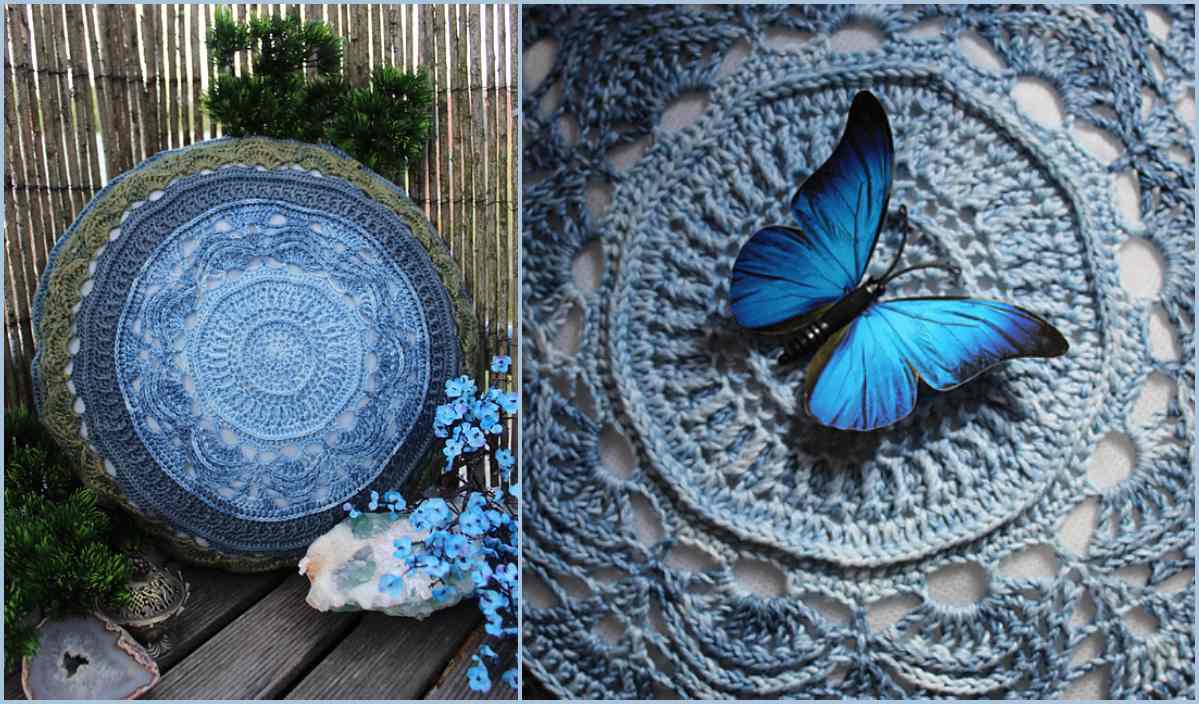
[980, 52]
[882, 614]
[1141, 623]
[1079, 525]
[1096, 141]
[1163, 336]
[1158, 21]
[857, 35]
[598, 197]
[959, 585]
[616, 453]
[738, 52]
[929, 28]
[832, 610]
[1033, 562]
[645, 521]
[686, 556]
[1126, 194]
[1142, 267]
[759, 578]
[684, 109]
[1112, 461]
[777, 38]
[588, 266]
[1039, 100]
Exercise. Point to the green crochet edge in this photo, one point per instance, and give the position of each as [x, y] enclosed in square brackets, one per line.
[53, 330]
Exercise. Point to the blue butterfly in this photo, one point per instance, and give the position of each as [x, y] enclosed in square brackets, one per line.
[805, 281]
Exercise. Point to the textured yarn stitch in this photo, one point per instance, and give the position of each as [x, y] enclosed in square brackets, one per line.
[731, 473]
[251, 342]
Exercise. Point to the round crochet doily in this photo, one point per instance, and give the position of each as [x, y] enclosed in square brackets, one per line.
[689, 531]
[243, 335]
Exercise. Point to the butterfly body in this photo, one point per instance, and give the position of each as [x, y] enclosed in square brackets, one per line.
[868, 353]
[811, 336]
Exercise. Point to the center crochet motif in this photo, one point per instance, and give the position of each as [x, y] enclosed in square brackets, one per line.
[668, 453]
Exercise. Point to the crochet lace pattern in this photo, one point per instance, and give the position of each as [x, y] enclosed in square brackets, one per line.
[633, 568]
[254, 341]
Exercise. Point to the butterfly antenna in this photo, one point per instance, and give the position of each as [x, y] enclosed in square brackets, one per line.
[905, 227]
[953, 270]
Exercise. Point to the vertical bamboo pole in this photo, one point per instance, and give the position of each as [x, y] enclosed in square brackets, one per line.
[358, 66]
[182, 75]
[111, 53]
[28, 114]
[83, 96]
[54, 122]
[151, 49]
[426, 14]
[19, 222]
[511, 194]
[197, 71]
[170, 78]
[443, 171]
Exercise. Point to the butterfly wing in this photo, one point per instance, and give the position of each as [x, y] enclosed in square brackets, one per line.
[858, 379]
[865, 376]
[951, 340]
[783, 273]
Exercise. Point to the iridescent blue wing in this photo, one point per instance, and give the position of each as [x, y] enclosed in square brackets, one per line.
[865, 376]
[779, 276]
[858, 379]
[784, 273]
[951, 340]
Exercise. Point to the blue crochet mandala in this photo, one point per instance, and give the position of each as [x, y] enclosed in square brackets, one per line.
[254, 347]
[635, 569]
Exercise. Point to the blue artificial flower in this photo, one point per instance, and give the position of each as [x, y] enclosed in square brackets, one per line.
[374, 504]
[452, 448]
[433, 566]
[472, 522]
[474, 437]
[391, 584]
[447, 414]
[509, 678]
[395, 501]
[456, 546]
[442, 593]
[514, 490]
[454, 387]
[354, 513]
[486, 651]
[461, 386]
[481, 574]
[431, 514]
[480, 681]
[403, 547]
[505, 458]
[491, 601]
[501, 363]
[509, 402]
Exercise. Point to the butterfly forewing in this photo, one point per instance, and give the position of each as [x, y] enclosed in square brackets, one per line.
[784, 272]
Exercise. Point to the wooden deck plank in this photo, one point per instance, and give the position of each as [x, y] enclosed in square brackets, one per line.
[453, 683]
[216, 599]
[261, 653]
[388, 657]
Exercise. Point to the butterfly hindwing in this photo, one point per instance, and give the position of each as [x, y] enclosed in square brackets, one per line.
[865, 376]
[784, 272]
[858, 380]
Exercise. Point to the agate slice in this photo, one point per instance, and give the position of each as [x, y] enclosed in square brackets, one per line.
[87, 657]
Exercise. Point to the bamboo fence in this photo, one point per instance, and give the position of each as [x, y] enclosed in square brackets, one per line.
[92, 90]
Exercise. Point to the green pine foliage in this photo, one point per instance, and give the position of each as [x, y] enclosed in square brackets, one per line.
[294, 90]
[59, 555]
